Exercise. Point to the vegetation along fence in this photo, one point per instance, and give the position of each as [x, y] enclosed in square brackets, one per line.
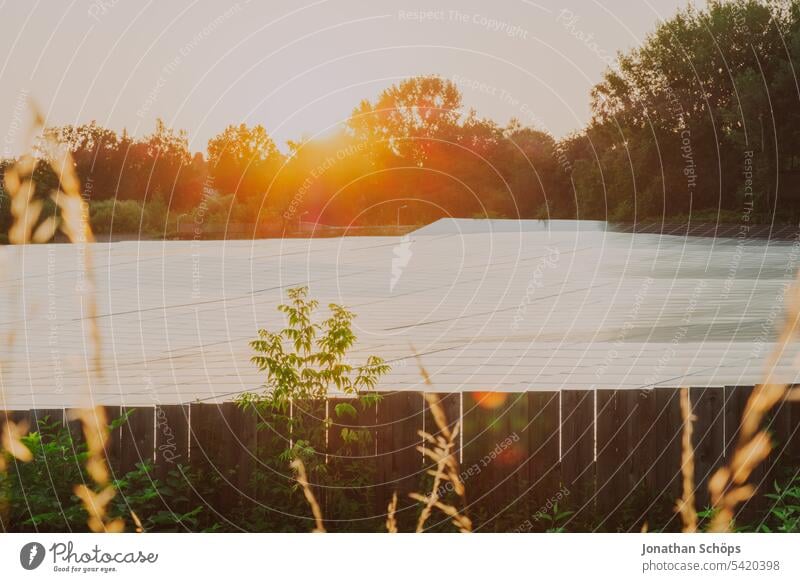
[610, 457]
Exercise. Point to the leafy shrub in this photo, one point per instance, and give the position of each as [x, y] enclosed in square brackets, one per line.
[785, 508]
[303, 363]
[623, 212]
[38, 496]
[156, 216]
[118, 216]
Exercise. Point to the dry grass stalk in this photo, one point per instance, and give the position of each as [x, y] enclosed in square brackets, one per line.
[391, 511]
[302, 479]
[137, 522]
[25, 210]
[729, 486]
[440, 449]
[686, 504]
[95, 430]
[73, 222]
[95, 505]
[12, 443]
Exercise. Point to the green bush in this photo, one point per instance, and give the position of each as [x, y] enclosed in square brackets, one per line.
[115, 216]
[303, 363]
[156, 216]
[784, 511]
[38, 495]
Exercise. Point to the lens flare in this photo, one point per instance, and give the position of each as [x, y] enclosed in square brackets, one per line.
[490, 400]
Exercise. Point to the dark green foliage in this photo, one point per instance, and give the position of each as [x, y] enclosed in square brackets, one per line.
[784, 513]
[680, 125]
[39, 494]
[304, 363]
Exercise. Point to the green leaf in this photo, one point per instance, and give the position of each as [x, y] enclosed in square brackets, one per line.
[345, 408]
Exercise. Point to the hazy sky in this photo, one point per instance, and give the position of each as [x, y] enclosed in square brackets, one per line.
[299, 68]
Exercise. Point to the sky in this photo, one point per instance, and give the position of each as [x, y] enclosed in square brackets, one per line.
[299, 68]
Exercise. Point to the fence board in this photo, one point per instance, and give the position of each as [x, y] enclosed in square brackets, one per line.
[17, 416]
[736, 398]
[227, 456]
[74, 425]
[309, 417]
[668, 434]
[274, 477]
[616, 410]
[451, 405]
[364, 420]
[243, 456]
[171, 438]
[577, 453]
[786, 433]
[137, 438]
[496, 456]
[793, 438]
[643, 496]
[113, 446]
[783, 424]
[544, 470]
[171, 452]
[308, 423]
[209, 443]
[351, 454]
[708, 436]
[399, 462]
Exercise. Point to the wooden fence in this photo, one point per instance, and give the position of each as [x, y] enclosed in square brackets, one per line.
[611, 457]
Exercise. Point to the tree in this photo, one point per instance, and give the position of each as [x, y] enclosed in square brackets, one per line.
[158, 167]
[528, 161]
[98, 156]
[427, 155]
[167, 165]
[308, 360]
[407, 119]
[303, 364]
[675, 121]
[243, 160]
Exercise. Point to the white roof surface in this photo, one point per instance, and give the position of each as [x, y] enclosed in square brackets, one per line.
[489, 306]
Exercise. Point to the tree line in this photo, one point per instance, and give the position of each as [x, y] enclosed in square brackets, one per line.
[701, 122]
